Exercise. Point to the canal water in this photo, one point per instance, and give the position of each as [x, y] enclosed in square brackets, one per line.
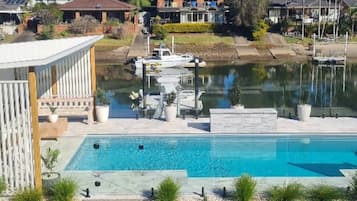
[332, 90]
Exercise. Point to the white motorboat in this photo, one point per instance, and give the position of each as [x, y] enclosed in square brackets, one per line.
[162, 57]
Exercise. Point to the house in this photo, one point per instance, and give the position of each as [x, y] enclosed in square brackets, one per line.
[191, 11]
[102, 10]
[10, 14]
[292, 9]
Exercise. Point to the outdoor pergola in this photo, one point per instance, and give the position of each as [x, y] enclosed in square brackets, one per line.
[31, 72]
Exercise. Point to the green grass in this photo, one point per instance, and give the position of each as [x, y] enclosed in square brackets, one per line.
[8, 39]
[290, 40]
[202, 39]
[107, 44]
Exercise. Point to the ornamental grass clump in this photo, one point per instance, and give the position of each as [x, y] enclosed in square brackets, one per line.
[64, 190]
[244, 188]
[2, 185]
[168, 190]
[352, 193]
[28, 195]
[290, 192]
[324, 193]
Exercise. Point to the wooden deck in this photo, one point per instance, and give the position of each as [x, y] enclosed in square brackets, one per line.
[52, 131]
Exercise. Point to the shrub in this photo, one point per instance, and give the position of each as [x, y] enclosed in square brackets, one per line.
[260, 30]
[353, 188]
[84, 24]
[170, 98]
[48, 14]
[50, 159]
[2, 185]
[189, 27]
[234, 95]
[244, 188]
[47, 33]
[64, 190]
[323, 193]
[168, 190]
[28, 195]
[288, 192]
[159, 31]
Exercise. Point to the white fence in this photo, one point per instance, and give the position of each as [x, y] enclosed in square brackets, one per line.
[16, 159]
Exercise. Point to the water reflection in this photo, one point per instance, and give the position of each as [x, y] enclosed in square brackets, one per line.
[332, 90]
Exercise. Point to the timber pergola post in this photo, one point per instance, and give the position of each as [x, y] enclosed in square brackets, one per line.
[35, 127]
[93, 76]
[54, 80]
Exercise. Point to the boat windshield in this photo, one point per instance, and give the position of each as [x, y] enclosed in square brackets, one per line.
[166, 53]
[155, 53]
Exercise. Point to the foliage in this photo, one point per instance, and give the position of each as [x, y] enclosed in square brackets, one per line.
[48, 14]
[113, 22]
[188, 27]
[159, 31]
[84, 24]
[259, 73]
[288, 192]
[170, 98]
[234, 95]
[64, 190]
[260, 30]
[47, 33]
[102, 98]
[244, 188]
[2, 185]
[323, 193]
[353, 188]
[140, 3]
[50, 159]
[168, 190]
[27, 195]
[247, 13]
[135, 100]
[305, 96]
[122, 32]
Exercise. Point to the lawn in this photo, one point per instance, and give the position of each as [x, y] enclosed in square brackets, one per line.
[7, 39]
[107, 44]
[298, 40]
[202, 39]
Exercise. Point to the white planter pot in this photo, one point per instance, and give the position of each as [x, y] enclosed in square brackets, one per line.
[53, 118]
[170, 113]
[238, 106]
[102, 113]
[304, 112]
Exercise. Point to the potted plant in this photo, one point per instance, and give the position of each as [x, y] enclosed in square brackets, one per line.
[102, 107]
[234, 98]
[49, 160]
[170, 109]
[303, 108]
[53, 117]
[168, 190]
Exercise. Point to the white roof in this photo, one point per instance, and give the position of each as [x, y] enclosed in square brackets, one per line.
[43, 52]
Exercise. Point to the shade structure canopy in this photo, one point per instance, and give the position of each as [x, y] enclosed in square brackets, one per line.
[39, 53]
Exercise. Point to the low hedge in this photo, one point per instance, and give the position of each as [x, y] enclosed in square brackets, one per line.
[189, 27]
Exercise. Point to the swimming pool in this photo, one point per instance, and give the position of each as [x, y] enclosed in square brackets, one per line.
[220, 155]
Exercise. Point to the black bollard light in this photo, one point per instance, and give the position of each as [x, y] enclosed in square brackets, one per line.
[289, 115]
[224, 191]
[87, 193]
[152, 192]
[336, 115]
[203, 191]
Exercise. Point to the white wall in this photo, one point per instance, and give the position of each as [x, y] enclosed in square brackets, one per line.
[7, 74]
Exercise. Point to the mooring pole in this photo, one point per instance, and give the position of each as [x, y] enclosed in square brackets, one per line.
[196, 86]
[143, 87]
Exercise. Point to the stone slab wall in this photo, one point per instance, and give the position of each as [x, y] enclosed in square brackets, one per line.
[260, 120]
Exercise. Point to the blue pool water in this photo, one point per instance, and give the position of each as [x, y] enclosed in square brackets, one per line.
[220, 156]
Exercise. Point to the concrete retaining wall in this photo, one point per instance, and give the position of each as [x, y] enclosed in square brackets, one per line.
[259, 120]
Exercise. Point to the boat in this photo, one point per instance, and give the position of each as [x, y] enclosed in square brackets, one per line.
[162, 57]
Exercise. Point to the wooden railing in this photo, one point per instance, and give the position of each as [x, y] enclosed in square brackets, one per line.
[65, 106]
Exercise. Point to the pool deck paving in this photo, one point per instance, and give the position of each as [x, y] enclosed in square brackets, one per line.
[136, 185]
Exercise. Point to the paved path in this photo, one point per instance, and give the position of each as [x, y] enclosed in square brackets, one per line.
[279, 49]
[243, 48]
[139, 46]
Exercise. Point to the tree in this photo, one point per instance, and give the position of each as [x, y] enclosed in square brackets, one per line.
[48, 14]
[247, 13]
[84, 24]
[140, 3]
